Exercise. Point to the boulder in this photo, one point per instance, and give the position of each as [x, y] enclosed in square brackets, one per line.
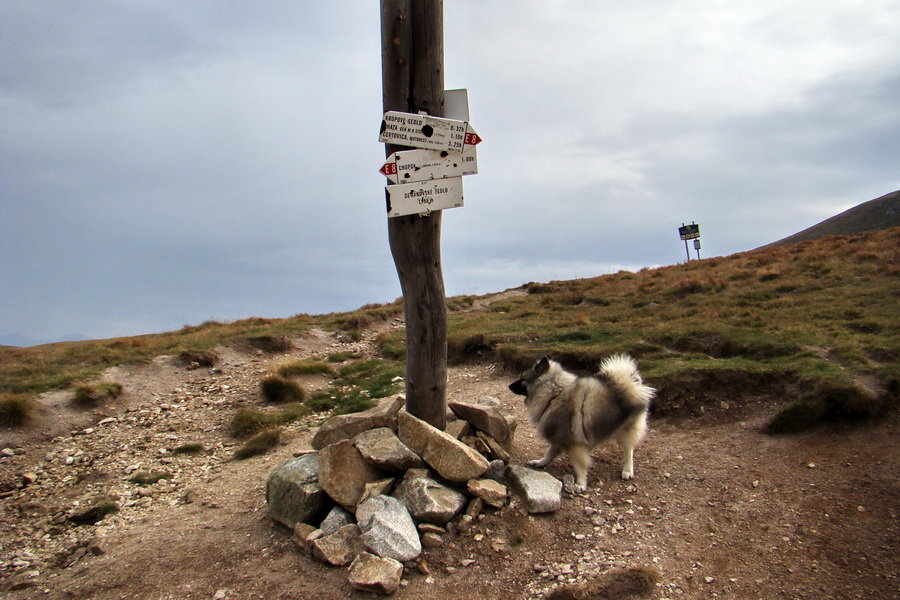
[429, 501]
[383, 449]
[458, 428]
[376, 488]
[344, 473]
[540, 491]
[304, 536]
[496, 471]
[339, 548]
[293, 492]
[452, 459]
[388, 529]
[345, 427]
[495, 449]
[483, 418]
[337, 518]
[493, 493]
[371, 573]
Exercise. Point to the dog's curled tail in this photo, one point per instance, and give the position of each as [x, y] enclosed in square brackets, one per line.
[621, 371]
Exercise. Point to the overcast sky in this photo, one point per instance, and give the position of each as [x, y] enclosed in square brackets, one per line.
[165, 162]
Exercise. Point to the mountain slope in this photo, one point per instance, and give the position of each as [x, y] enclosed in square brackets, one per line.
[880, 213]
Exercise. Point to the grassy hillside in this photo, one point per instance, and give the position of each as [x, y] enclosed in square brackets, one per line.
[815, 323]
[880, 213]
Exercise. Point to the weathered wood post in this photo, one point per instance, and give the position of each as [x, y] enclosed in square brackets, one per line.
[412, 55]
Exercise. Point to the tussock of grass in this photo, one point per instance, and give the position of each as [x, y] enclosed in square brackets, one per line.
[189, 448]
[271, 344]
[196, 359]
[829, 399]
[338, 357]
[149, 477]
[391, 345]
[87, 396]
[280, 390]
[339, 402]
[260, 443]
[16, 409]
[248, 421]
[294, 368]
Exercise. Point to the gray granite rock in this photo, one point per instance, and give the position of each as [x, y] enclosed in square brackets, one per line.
[383, 449]
[293, 492]
[388, 529]
[370, 573]
[540, 491]
[452, 459]
[344, 473]
[429, 501]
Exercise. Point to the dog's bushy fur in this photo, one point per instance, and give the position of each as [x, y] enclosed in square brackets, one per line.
[574, 413]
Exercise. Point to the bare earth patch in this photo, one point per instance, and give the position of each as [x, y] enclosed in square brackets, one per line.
[721, 510]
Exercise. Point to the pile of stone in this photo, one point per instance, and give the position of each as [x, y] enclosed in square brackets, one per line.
[382, 484]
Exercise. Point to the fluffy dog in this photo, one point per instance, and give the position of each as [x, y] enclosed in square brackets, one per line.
[575, 413]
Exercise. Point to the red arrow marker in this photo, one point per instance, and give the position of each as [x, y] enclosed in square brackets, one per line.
[388, 169]
[472, 138]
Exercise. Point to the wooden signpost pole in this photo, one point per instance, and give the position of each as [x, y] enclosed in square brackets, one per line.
[412, 54]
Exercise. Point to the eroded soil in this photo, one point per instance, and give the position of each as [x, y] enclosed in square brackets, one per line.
[720, 509]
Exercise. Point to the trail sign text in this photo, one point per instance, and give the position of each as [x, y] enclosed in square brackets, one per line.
[424, 197]
[408, 166]
[423, 131]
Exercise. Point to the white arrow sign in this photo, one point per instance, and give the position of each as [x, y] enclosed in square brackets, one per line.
[421, 165]
[424, 196]
[424, 131]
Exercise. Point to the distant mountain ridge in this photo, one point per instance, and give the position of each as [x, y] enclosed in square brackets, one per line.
[21, 341]
[880, 213]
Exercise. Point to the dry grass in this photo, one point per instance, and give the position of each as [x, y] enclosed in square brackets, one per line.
[811, 316]
[16, 410]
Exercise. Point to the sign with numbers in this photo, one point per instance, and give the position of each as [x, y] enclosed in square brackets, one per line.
[427, 132]
[408, 166]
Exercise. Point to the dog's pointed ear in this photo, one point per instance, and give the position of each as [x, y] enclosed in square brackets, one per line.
[543, 366]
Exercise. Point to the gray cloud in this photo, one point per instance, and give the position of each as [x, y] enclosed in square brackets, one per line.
[170, 162]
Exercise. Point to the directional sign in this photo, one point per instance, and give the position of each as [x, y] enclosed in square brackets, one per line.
[424, 196]
[424, 131]
[408, 166]
[689, 232]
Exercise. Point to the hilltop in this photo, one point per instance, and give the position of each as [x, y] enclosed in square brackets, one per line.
[800, 338]
[880, 213]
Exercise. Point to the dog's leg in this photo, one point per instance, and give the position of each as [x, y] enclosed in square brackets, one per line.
[552, 452]
[581, 462]
[628, 462]
[628, 438]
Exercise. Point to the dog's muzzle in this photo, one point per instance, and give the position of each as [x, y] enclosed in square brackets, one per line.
[518, 387]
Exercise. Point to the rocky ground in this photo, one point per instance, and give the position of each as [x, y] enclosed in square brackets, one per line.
[721, 510]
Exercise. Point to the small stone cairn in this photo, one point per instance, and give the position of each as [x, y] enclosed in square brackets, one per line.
[382, 484]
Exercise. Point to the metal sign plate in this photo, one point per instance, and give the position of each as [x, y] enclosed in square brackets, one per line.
[424, 196]
[689, 232]
[427, 132]
[422, 165]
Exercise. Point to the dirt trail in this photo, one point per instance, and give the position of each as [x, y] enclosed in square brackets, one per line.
[720, 509]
